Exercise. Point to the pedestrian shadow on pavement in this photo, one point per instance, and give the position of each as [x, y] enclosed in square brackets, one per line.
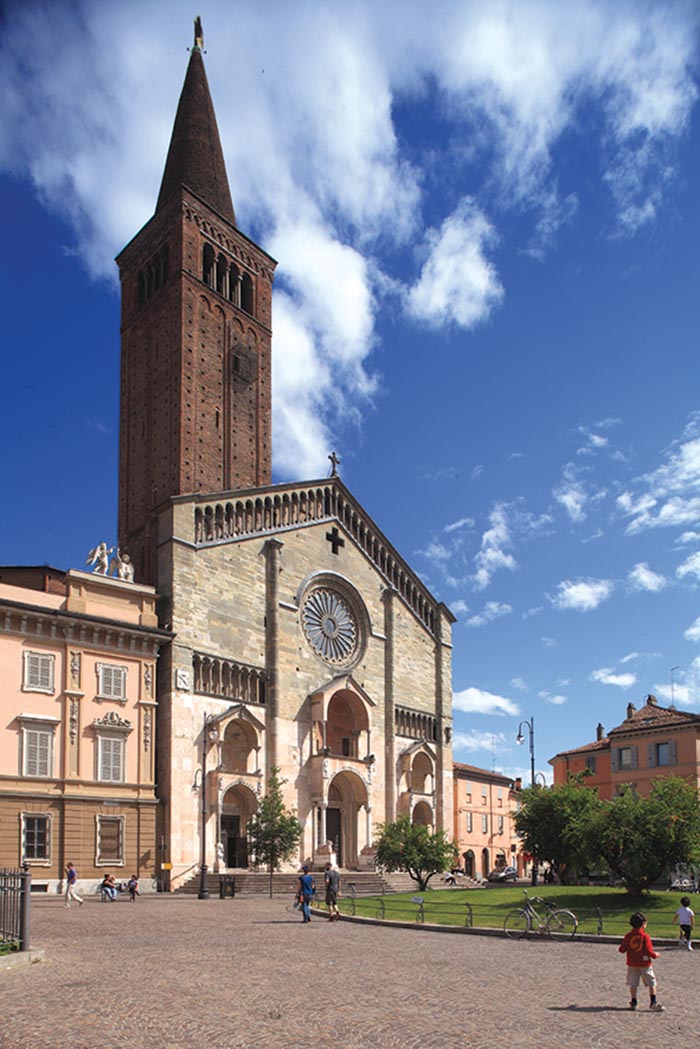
[588, 1009]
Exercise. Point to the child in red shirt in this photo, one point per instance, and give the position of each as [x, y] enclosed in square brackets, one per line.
[640, 951]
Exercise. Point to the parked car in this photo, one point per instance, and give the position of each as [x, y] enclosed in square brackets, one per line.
[503, 874]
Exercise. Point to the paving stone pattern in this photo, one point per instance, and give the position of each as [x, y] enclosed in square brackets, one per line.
[170, 973]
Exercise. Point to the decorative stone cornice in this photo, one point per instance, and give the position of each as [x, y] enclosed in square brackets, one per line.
[113, 721]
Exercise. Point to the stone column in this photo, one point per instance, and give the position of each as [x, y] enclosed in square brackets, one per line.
[443, 712]
[388, 597]
[272, 550]
[323, 835]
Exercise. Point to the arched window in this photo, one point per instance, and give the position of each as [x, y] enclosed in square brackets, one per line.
[221, 276]
[247, 293]
[208, 265]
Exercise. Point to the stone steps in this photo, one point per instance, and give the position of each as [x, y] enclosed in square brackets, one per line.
[367, 883]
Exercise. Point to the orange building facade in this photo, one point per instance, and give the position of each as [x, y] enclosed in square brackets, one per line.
[651, 742]
[484, 805]
[77, 737]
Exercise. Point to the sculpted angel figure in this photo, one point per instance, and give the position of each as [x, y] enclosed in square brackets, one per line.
[123, 566]
[99, 558]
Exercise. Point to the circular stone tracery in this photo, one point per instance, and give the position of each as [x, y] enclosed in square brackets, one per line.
[330, 626]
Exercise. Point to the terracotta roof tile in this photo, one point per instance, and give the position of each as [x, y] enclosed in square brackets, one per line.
[474, 770]
[651, 716]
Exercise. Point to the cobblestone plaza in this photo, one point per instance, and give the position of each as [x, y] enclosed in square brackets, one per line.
[171, 973]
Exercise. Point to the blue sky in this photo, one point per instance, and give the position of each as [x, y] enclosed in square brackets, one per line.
[486, 219]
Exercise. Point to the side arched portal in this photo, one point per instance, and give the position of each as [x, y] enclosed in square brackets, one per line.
[238, 805]
[347, 795]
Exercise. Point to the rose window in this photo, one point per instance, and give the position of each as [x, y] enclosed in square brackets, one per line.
[330, 626]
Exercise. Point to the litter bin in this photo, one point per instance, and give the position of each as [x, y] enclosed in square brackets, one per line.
[227, 886]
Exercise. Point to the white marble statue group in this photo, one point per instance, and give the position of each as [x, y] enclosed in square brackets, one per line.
[120, 564]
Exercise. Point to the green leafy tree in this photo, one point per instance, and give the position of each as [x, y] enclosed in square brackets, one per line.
[642, 838]
[554, 823]
[274, 831]
[411, 847]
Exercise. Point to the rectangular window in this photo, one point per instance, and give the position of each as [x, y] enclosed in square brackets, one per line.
[624, 758]
[36, 838]
[37, 752]
[38, 672]
[111, 681]
[110, 759]
[485, 823]
[110, 839]
[469, 823]
[662, 753]
[590, 763]
[500, 824]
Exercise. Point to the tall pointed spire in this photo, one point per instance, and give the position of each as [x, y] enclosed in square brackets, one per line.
[195, 158]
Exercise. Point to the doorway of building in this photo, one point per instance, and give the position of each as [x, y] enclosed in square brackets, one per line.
[469, 863]
[334, 833]
[485, 865]
[235, 844]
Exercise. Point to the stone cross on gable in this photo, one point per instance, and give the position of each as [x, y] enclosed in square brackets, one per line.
[335, 539]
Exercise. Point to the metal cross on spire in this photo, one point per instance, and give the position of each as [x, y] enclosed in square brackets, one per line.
[198, 33]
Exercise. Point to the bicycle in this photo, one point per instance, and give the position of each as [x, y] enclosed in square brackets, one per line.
[557, 922]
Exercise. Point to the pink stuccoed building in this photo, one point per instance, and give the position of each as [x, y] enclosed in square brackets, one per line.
[78, 659]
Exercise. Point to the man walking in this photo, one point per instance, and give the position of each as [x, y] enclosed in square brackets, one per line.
[332, 879]
[71, 879]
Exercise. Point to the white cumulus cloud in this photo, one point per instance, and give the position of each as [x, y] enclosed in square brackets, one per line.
[457, 285]
[607, 676]
[479, 701]
[690, 567]
[641, 577]
[582, 595]
[492, 610]
[693, 631]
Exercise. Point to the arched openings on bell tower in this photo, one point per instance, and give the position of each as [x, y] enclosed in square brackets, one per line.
[224, 277]
[151, 277]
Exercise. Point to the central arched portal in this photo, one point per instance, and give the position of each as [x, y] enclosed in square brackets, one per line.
[238, 805]
[347, 795]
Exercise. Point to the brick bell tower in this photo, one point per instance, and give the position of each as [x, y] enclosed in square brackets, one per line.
[195, 412]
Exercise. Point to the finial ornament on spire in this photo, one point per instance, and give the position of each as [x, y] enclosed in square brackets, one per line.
[198, 33]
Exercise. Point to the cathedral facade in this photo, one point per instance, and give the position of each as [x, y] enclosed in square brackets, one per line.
[302, 640]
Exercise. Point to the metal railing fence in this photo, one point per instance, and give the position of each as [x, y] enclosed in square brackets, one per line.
[15, 893]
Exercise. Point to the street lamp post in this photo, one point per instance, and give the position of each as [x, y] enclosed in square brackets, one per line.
[212, 735]
[520, 739]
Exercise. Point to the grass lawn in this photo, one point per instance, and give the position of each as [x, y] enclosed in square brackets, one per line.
[593, 906]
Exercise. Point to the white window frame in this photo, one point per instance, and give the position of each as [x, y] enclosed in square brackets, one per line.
[114, 674]
[32, 672]
[484, 823]
[501, 824]
[105, 861]
[470, 823]
[23, 817]
[111, 738]
[44, 735]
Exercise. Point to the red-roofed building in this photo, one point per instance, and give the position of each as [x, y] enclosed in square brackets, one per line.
[651, 742]
[484, 803]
